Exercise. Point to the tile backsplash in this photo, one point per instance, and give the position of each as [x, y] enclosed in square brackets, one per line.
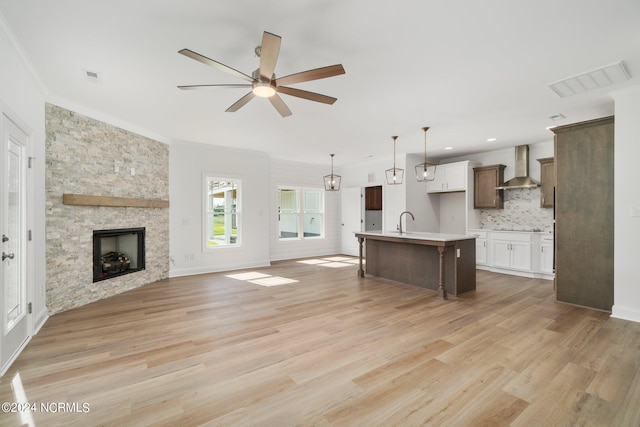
[521, 211]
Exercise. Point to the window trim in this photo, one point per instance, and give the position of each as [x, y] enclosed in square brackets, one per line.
[301, 213]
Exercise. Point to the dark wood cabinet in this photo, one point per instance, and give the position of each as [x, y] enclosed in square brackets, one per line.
[373, 198]
[584, 222]
[485, 181]
[547, 182]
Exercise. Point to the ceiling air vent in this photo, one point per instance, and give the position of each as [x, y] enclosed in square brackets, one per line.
[93, 76]
[595, 79]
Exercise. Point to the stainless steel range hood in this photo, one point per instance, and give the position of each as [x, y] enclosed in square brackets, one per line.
[522, 178]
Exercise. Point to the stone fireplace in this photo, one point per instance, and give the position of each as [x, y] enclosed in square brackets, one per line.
[113, 175]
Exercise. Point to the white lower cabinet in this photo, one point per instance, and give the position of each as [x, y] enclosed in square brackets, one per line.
[482, 247]
[511, 250]
[521, 253]
[546, 255]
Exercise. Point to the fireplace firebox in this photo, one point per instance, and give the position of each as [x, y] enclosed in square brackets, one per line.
[117, 252]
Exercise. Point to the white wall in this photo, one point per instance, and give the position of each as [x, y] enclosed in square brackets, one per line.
[425, 207]
[294, 174]
[188, 162]
[627, 197]
[22, 98]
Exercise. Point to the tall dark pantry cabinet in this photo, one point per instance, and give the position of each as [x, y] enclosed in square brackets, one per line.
[584, 213]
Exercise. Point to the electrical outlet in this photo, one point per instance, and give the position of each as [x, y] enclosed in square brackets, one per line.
[635, 211]
[133, 171]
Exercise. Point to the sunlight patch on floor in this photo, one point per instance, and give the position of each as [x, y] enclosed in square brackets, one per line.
[252, 275]
[261, 278]
[273, 281]
[332, 262]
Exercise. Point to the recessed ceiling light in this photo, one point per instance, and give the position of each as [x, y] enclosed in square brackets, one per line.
[491, 139]
[448, 148]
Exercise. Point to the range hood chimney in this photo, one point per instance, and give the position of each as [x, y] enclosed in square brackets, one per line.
[522, 178]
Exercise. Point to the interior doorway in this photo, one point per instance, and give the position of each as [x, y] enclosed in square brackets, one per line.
[373, 208]
[351, 218]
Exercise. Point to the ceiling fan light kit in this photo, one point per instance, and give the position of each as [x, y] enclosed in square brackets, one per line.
[425, 171]
[263, 90]
[394, 175]
[263, 82]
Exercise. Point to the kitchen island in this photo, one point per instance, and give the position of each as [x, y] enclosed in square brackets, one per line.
[445, 263]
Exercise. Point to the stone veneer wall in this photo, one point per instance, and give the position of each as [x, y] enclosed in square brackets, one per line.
[521, 211]
[82, 155]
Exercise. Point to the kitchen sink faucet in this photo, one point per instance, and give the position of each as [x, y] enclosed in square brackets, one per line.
[400, 220]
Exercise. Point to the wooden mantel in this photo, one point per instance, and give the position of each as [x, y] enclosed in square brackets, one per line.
[84, 200]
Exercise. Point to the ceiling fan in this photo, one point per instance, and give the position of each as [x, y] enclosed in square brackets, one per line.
[263, 81]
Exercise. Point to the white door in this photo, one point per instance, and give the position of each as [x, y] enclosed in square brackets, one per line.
[13, 226]
[521, 255]
[500, 254]
[351, 217]
[546, 257]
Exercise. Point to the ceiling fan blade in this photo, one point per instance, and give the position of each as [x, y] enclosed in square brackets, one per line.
[208, 61]
[279, 104]
[191, 87]
[312, 96]
[240, 103]
[269, 55]
[315, 74]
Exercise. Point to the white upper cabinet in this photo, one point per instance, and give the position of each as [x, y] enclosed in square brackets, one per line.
[448, 178]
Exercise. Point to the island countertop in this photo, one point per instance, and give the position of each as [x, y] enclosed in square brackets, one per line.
[415, 235]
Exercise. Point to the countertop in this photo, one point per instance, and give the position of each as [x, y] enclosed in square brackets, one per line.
[531, 230]
[416, 235]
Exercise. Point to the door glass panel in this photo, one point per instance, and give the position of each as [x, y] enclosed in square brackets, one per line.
[12, 248]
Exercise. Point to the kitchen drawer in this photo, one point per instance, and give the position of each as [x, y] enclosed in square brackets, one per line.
[512, 236]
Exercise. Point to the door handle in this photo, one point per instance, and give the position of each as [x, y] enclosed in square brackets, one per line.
[5, 256]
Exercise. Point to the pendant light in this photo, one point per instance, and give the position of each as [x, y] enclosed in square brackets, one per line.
[425, 171]
[332, 181]
[394, 175]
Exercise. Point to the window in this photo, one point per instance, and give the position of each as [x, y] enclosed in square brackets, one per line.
[300, 213]
[222, 225]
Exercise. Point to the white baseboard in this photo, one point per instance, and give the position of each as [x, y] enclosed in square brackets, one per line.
[39, 320]
[215, 269]
[625, 313]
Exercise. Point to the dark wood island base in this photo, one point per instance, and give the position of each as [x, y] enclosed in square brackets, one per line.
[445, 263]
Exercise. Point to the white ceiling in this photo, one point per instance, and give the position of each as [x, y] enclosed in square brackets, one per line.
[469, 70]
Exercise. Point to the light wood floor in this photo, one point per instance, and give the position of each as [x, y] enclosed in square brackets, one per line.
[330, 350]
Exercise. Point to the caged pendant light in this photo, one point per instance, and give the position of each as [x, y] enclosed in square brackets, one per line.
[394, 175]
[425, 171]
[332, 181]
